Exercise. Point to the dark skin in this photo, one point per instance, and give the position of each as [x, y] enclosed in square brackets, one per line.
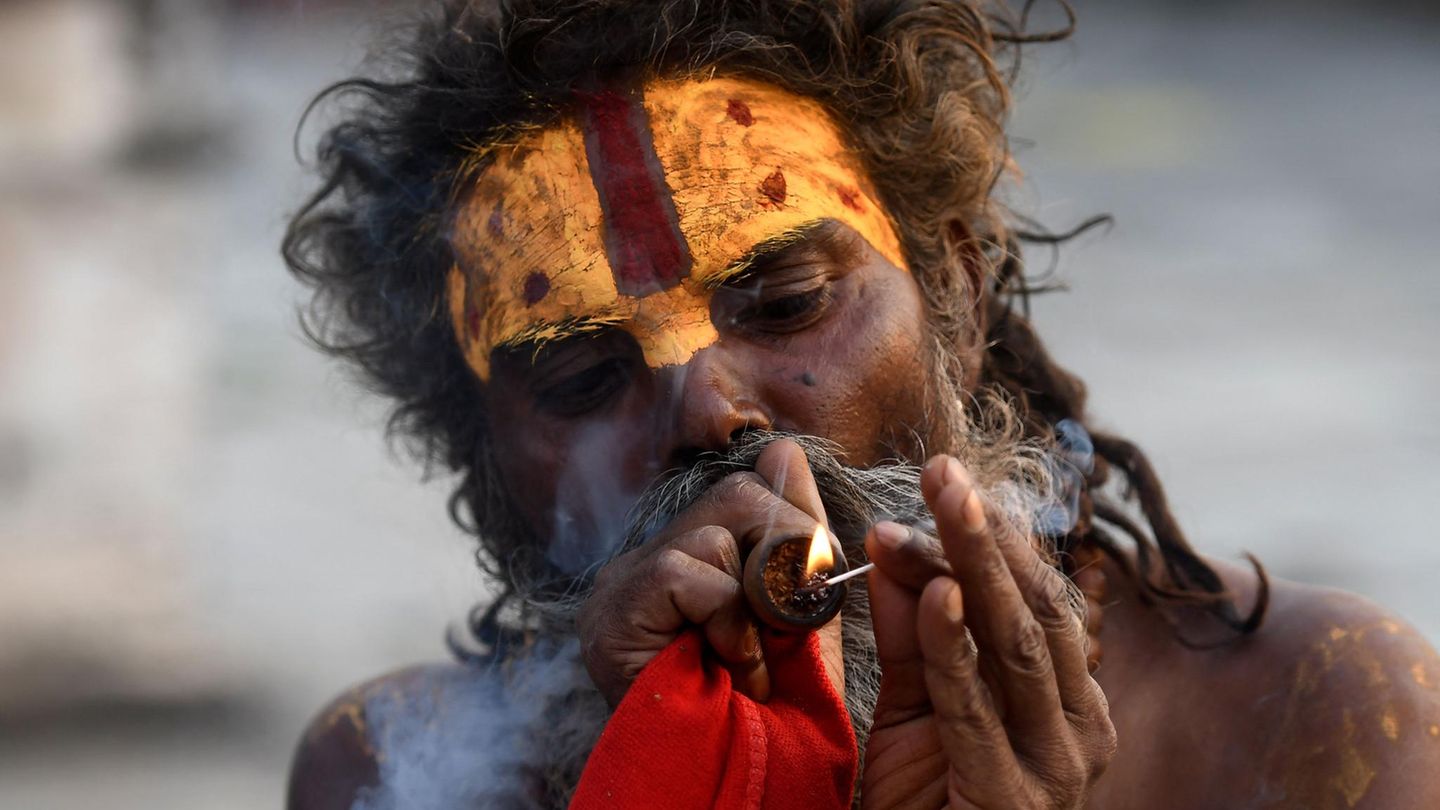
[1333, 703]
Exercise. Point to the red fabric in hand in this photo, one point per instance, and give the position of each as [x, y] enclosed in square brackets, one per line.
[684, 738]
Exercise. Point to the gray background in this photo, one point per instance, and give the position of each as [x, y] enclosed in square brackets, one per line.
[203, 537]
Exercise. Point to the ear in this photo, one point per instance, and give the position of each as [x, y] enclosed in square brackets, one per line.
[961, 239]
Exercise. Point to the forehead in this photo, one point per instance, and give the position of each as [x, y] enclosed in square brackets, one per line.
[627, 213]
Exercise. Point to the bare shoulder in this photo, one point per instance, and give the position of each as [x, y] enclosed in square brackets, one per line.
[337, 763]
[1334, 702]
[1344, 699]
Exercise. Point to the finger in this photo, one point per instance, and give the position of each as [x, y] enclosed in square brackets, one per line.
[735, 638]
[933, 476]
[693, 592]
[637, 608]
[744, 505]
[1012, 641]
[783, 464]
[1053, 601]
[893, 611]
[984, 769]
[907, 555]
[713, 545]
[730, 630]
[913, 558]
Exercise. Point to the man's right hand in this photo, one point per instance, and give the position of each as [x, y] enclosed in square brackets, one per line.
[689, 574]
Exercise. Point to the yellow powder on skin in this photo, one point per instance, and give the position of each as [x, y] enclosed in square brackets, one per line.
[1356, 774]
[745, 163]
[1390, 724]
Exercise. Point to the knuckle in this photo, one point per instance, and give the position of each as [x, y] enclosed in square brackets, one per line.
[1096, 734]
[670, 565]
[1098, 753]
[1054, 599]
[1029, 649]
[1109, 747]
[605, 577]
[970, 708]
[719, 541]
[1102, 703]
[1065, 773]
[741, 488]
[926, 549]
[1092, 708]
[614, 573]
[995, 574]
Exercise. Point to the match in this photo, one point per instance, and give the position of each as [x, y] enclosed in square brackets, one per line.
[851, 574]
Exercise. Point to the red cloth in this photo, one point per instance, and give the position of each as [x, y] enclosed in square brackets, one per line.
[683, 738]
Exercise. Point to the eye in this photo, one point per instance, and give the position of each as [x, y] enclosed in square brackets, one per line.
[785, 309]
[586, 390]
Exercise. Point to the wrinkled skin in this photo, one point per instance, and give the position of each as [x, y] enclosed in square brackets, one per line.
[1332, 704]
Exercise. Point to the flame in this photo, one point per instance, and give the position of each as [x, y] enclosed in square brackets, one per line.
[821, 557]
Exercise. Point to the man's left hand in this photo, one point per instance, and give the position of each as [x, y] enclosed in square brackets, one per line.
[1009, 720]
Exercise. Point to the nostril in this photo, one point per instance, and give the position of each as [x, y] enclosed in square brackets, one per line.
[686, 457]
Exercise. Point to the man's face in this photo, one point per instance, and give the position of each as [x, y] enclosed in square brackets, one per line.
[675, 267]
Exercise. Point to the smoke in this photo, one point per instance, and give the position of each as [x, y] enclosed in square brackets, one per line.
[1067, 468]
[589, 517]
[512, 735]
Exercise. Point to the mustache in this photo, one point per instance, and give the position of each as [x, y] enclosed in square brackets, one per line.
[1037, 491]
[854, 497]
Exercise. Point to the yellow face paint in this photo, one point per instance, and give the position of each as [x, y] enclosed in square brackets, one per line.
[629, 214]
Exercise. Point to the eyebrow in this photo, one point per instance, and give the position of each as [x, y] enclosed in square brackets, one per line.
[815, 235]
[537, 337]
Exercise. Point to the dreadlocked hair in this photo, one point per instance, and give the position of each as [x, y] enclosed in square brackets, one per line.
[1165, 569]
[921, 89]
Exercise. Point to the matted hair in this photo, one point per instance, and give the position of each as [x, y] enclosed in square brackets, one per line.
[921, 87]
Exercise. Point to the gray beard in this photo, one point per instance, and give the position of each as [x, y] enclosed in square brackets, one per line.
[854, 499]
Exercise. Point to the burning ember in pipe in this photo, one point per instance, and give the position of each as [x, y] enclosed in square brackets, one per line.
[788, 580]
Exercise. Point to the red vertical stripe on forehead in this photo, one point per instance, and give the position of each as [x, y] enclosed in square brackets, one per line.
[642, 231]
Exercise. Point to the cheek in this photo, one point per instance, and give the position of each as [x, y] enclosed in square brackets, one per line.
[858, 378]
[573, 482]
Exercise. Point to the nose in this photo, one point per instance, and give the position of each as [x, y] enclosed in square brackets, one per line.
[712, 406]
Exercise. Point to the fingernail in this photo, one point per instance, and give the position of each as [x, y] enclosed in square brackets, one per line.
[752, 645]
[891, 535]
[954, 473]
[757, 684]
[954, 605]
[973, 513]
[936, 462]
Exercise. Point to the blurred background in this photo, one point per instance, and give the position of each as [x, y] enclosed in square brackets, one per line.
[203, 535]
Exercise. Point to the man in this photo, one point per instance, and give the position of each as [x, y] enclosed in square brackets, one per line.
[663, 280]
